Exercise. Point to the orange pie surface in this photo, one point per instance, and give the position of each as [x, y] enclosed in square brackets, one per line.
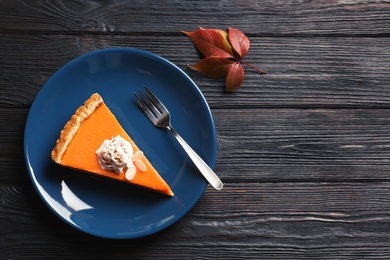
[84, 133]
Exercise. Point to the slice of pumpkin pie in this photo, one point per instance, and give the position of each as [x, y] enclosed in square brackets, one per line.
[93, 141]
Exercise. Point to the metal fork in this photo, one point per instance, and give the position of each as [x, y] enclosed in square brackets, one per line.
[159, 115]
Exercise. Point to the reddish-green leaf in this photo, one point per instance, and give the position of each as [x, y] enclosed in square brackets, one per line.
[214, 67]
[211, 42]
[235, 77]
[239, 42]
[223, 53]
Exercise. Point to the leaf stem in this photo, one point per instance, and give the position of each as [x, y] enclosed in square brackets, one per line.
[253, 67]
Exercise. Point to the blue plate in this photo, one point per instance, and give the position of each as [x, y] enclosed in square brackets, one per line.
[105, 208]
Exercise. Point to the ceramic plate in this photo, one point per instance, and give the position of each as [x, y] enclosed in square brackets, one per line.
[105, 208]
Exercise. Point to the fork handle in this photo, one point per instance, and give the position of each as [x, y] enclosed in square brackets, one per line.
[207, 172]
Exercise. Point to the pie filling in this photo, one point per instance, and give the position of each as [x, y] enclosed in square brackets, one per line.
[93, 141]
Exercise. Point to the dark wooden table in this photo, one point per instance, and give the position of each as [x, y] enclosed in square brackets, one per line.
[304, 151]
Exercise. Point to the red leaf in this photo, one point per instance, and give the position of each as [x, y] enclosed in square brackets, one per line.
[235, 77]
[214, 67]
[211, 42]
[239, 42]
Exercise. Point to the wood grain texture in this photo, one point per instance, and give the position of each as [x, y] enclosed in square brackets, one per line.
[169, 16]
[303, 151]
[265, 220]
[303, 72]
[317, 144]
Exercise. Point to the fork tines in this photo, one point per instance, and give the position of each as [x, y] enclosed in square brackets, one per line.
[150, 104]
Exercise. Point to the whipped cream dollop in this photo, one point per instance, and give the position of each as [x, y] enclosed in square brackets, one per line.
[116, 155]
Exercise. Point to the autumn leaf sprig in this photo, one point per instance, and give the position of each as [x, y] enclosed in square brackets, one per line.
[223, 52]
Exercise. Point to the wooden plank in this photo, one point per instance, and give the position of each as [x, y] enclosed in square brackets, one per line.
[303, 72]
[266, 17]
[247, 220]
[12, 163]
[267, 145]
[303, 144]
